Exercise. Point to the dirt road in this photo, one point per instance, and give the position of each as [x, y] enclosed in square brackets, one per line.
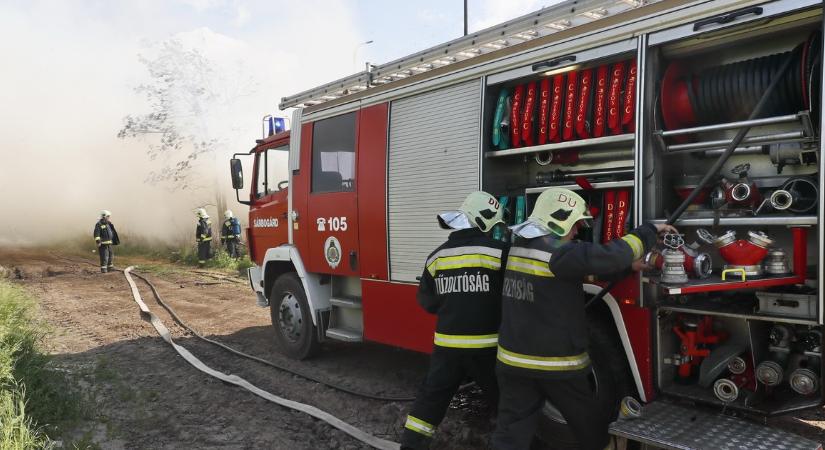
[148, 397]
[145, 396]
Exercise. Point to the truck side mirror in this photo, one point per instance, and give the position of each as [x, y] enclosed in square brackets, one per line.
[236, 168]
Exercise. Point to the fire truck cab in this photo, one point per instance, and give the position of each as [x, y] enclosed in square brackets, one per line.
[631, 103]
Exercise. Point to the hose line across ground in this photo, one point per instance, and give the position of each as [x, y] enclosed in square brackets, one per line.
[164, 333]
[176, 318]
[264, 361]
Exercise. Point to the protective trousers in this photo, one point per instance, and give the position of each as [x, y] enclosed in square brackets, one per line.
[448, 369]
[232, 248]
[521, 402]
[106, 257]
[204, 252]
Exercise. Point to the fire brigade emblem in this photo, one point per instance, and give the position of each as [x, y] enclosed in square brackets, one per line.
[332, 251]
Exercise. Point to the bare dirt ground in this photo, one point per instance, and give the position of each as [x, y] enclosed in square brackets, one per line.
[144, 396]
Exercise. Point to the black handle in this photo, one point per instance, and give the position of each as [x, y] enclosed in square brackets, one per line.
[728, 18]
[788, 303]
[549, 64]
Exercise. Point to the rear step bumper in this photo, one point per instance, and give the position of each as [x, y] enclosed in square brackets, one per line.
[671, 426]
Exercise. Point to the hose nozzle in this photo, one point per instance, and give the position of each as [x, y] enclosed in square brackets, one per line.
[781, 200]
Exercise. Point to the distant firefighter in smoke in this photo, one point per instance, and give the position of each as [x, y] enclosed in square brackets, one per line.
[203, 236]
[105, 237]
[231, 234]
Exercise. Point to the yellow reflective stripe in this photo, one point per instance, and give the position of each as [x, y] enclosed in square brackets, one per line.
[466, 341]
[419, 426]
[532, 267]
[103, 227]
[635, 244]
[528, 261]
[546, 363]
[464, 261]
[97, 238]
[531, 253]
[106, 242]
[468, 250]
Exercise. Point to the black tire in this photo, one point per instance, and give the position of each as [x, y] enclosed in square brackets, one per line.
[295, 334]
[610, 376]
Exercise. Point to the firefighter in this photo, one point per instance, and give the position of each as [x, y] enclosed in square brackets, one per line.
[542, 349]
[231, 234]
[461, 284]
[105, 237]
[203, 236]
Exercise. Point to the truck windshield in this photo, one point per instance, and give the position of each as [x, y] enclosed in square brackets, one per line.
[272, 171]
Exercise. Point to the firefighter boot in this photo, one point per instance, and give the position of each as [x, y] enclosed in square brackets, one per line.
[102, 270]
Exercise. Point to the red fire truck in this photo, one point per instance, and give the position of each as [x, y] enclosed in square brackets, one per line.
[632, 103]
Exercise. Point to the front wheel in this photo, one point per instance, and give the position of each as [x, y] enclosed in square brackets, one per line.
[295, 334]
[610, 378]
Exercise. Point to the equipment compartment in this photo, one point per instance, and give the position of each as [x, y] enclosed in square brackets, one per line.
[754, 365]
[562, 120]
[707, 88]
[742, 257]
[759, 216]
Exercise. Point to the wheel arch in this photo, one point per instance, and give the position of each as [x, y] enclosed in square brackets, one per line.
[284, 259]
[609, 311]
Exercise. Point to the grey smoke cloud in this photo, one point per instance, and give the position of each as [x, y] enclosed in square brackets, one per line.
[69, 69]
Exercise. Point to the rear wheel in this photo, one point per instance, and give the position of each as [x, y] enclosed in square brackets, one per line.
[295, 333]
[610, 378]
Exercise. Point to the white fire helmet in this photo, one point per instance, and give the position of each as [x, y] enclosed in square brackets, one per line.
[201, 213]
[480, 210]
[228, 214]
[556, 211]
[105, 213]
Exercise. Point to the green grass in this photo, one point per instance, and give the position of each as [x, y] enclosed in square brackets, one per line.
[220, 260]
[35, 400]
[16, 428]
[137, 249]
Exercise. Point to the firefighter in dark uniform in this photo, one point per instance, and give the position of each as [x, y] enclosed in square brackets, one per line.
[461, 284]
[203, 236]
[105, 237]
[542, 349]
[231, 234]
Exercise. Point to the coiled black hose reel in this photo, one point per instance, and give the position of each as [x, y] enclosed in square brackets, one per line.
[730, 92]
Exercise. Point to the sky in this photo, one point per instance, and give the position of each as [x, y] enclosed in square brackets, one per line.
[69, 74]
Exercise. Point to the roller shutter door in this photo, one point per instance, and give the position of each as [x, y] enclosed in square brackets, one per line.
[433, 165]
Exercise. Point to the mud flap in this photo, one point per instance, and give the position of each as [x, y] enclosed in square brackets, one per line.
[671, 426]
[253, 274]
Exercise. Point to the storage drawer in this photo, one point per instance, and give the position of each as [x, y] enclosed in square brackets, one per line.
[791, 305]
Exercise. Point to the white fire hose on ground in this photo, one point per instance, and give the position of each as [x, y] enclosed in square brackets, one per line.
[164, 333]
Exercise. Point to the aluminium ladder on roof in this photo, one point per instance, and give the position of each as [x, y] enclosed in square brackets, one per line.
[549, 20]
